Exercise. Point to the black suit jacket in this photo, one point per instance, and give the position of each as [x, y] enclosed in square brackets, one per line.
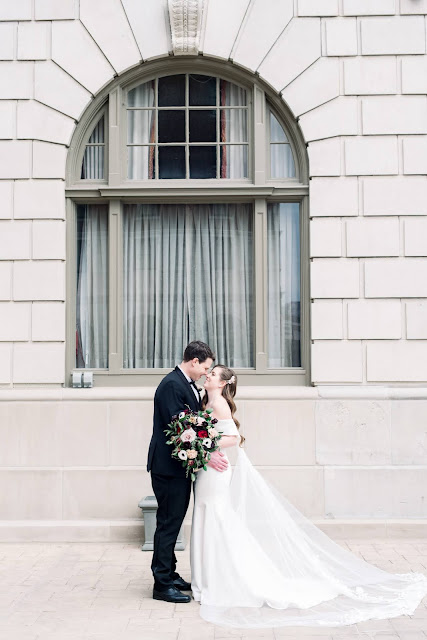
[172, 395]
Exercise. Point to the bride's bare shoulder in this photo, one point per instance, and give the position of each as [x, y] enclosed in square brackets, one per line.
[221, 410]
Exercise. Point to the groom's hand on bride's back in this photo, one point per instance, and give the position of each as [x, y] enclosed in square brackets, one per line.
[218, 461]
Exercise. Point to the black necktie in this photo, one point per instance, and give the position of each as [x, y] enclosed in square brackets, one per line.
[193, 384]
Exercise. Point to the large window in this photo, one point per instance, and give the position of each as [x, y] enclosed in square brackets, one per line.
[188, 221]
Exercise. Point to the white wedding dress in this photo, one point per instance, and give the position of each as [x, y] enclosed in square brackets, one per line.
[256, 561]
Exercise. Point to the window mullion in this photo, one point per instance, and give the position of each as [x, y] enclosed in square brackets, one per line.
[259, 136]
[114, 164]
[261, 285]
[114, 287]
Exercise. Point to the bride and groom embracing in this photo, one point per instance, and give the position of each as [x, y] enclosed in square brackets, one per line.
[256, 561]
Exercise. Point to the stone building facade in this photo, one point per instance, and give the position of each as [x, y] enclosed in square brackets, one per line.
[347, 443]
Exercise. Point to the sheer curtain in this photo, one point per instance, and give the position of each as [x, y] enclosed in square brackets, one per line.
[141, 131]
[284, 294]
[233, 128]
[188, 274]
[94, 155]
[92, 287]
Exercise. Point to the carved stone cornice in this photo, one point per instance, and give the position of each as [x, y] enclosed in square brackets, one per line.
[186, 18]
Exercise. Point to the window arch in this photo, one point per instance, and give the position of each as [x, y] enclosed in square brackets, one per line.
[187, 193]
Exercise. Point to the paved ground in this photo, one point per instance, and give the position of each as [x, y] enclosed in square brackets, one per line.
[103, 591]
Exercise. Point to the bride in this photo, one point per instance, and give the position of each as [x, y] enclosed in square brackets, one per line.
[256, 561]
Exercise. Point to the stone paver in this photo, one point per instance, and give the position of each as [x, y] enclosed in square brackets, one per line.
[102, 591]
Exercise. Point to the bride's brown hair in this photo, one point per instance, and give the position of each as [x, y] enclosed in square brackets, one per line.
[228, 392]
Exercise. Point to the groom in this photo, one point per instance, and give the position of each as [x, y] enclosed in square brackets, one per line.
[171, 488]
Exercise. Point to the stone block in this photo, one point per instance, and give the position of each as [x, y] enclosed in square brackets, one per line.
[40, 199]
[5, 280]
[299, 44]
[33, 40]
[394, 114]
[15, 240]
[395, 196]
[397, 361]
[15, 321]
[325, 157]
[396, 278]
[74, 50]
[35, 120]
[364, 76]
[414, 74]
[6, 200]
[130, 430]
[334, 278]
[368, 7]
[316, 85]
[48, 240]
[372, 237]
[57, 89]
[416, 237]
[48, 322]
[5, 360]
[339, 117]
[396, 35]
[416, 320]
[9, 433]
[31, 494]
[215, 23]
[264, 22]
[16, 80]
[325, 237]
[326, 320]
[42, 280]
[109, 27]
[341, 37]
[120, 491]
[302, 486]
[415, 155]
[7, 40]
[374, 155]
[153, 36]
[409, 432]
[318, 8]
[7, 117]
[336, 361]
[39, 363]
[54, 10]
[413, 6]
[15, 159]
[84, 434]
[374, 319]
[353, 432]
[20, 10]
[49, 160]
[358, 493]
[334, 197]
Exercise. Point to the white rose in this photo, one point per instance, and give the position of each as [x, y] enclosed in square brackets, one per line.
[188, 436]
[212, 432]
[182, 455]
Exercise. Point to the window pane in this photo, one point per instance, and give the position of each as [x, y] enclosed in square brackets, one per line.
[93, 163]
[142, 96]
[98, 133]
[276, 131]
[171, 162]
[203, 126]
[234, 161]
[171, 126]
[281, 161]
[141, 163]
[232, 95]
[92, 287]
[141, 126]
[202, 90]
[234, 125]
[188, 274]
[172, 91]
[203, 162]
[284, 289]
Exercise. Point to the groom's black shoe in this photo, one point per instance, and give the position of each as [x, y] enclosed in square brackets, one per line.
[181, 584]
[170, 595]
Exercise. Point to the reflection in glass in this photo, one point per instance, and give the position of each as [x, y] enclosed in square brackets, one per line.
[202, 90]
[92, 287]
[171, 162]
[172, 91]
[284, 285]
[188, 274]
[202, 162]
[171, 126]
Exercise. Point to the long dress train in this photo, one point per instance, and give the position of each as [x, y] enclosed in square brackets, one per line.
[256, 561]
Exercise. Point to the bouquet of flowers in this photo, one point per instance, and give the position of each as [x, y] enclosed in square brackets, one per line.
[193, 437]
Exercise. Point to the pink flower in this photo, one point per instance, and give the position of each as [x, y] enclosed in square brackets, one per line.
[213, 432]
[191, 454]
[188, 436]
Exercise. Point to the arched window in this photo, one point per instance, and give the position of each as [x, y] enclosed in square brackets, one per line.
[188, 218]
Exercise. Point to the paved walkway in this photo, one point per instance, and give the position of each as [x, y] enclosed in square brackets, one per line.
[103, 591]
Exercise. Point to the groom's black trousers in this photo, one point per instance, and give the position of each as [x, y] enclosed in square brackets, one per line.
[173, 496]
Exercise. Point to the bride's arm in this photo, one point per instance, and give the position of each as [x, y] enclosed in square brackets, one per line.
[228, 441]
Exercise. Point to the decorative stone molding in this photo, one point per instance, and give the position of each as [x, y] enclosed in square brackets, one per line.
[185, 18]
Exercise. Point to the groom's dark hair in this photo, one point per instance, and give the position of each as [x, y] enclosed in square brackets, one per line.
[198, 349]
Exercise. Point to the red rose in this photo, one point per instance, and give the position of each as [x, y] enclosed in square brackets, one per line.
[190, 463]
[202, 434]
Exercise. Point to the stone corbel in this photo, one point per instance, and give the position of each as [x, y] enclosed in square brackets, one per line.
[186, 18]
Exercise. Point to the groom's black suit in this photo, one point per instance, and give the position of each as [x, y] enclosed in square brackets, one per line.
[171, 488]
